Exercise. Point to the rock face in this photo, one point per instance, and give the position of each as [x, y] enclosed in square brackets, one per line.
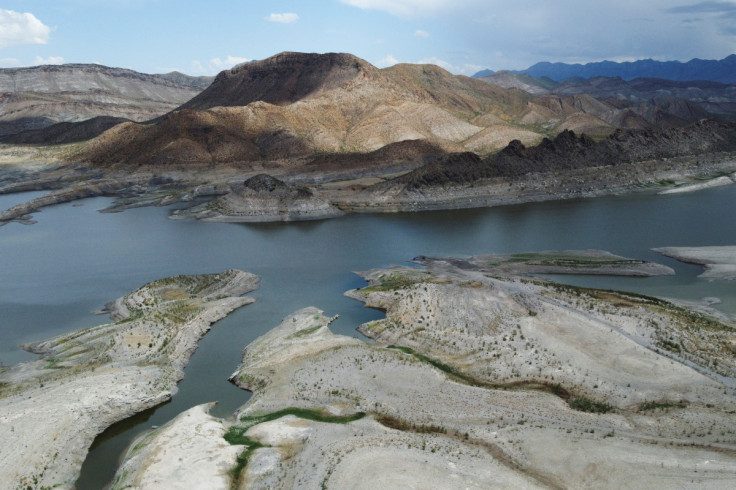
[637, 104]
[64, 132]
[33, 98]
[53, 408]
[264, 198]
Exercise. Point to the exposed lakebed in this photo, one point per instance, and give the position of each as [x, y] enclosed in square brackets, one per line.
[75, 260]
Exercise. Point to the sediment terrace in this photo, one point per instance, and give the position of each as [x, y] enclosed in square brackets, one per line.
[477, 378]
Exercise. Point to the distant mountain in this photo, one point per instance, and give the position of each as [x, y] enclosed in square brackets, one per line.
[646, 97]
[38, 97]
[714, 70]
[484, 73]
[527, 83]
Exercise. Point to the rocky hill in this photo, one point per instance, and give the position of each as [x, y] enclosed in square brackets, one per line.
[37, 97]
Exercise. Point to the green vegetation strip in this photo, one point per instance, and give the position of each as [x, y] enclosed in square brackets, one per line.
[236, 434]
[570, 260]
[585, 404]
[243, 457]
[393, 282]
[303, 413]
[579, 403]
[661, 405]
[306, 331]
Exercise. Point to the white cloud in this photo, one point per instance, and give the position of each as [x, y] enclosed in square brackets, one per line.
[51, 60]
[433, 60]
[408, 8]
[197, 68]
[421, 33]
[387, 61]
[17, 28]
[215, 65]
[285, 18]
[227, 63]
[9, 62]
[464, 69]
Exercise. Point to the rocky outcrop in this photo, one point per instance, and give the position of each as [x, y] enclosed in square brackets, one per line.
[52, 409]
[568, 151]
[263, 198]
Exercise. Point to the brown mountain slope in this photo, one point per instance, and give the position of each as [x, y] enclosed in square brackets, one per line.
[296, 105]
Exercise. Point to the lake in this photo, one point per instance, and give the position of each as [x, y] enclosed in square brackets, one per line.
[54, 273]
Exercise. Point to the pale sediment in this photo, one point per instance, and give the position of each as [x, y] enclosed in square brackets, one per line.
[155, 460]
[53, 408]
[719, 261]
[717, 182]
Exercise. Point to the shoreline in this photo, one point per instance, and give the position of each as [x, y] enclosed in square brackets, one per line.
[334, 199]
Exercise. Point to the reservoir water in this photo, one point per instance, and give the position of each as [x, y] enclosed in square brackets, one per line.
[54, 273]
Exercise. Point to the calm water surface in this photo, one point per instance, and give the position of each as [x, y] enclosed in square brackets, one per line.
[55, 273]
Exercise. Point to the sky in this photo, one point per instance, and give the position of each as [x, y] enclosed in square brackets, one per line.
[203, 37]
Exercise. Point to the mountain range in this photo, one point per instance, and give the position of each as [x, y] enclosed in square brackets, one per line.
[696, 69]
[299, 105]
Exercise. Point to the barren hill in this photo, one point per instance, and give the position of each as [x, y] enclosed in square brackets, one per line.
[37, 97]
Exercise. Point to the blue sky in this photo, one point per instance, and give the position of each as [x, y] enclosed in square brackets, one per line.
[202, 37]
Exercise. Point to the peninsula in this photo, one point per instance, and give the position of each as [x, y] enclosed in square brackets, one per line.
[52, 408]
